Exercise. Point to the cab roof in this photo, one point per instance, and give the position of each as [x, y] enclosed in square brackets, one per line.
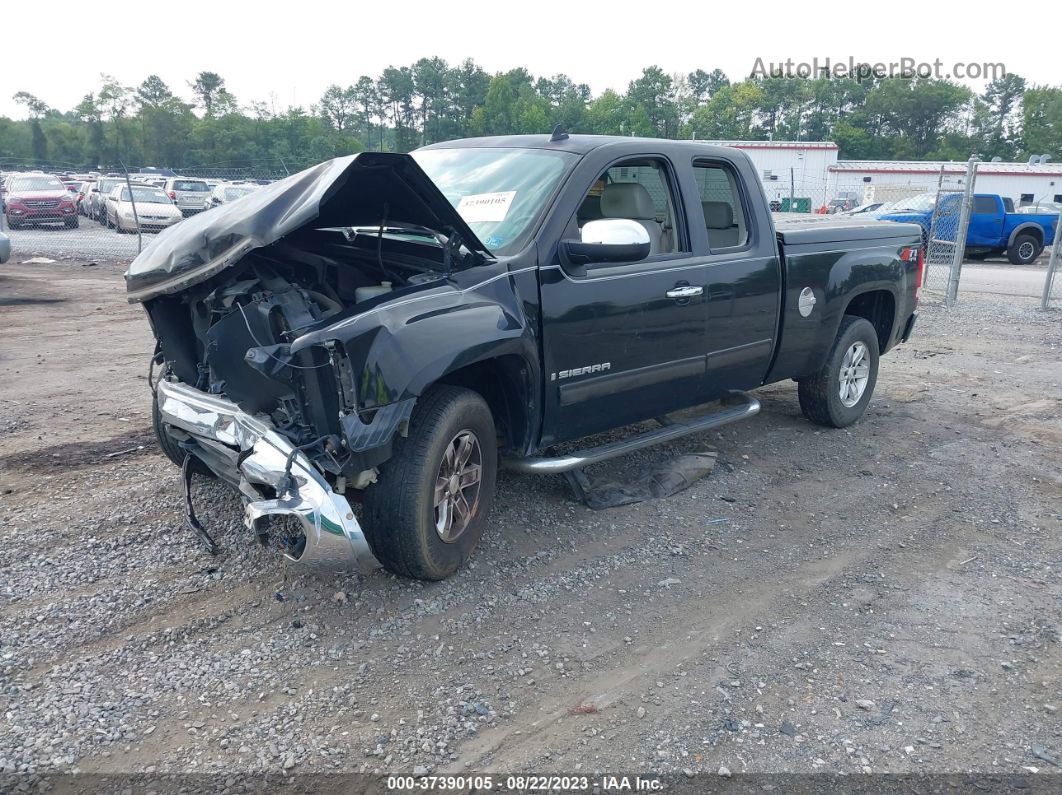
[583, 144]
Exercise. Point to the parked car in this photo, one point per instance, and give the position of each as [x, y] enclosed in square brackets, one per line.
[866, 209]
[96, 196]
[393, 326]
[225, 193]
[38, 199]
[81, 200]
[5, 248]
[995, 228]
[190, 195]
[154, 210]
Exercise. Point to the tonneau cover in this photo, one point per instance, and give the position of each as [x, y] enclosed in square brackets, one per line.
[348, 191]
[826, 229]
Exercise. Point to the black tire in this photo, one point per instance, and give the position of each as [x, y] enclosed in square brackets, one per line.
[167, 443]
[1024, 250]
[399, 510]
[820, 398]
[72, 223]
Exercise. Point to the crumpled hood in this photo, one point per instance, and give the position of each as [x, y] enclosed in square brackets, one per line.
[348, 191]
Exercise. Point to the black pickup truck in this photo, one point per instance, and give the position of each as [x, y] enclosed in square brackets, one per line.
[386, 330]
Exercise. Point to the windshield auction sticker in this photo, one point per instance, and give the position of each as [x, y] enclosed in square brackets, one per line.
[485, 207]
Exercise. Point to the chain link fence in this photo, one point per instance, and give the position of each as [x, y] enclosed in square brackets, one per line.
[56, 211]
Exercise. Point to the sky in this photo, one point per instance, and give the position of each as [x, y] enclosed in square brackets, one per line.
[287, 53]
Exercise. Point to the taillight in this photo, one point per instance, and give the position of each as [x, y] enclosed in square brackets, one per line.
[917, 255]
[173, 196]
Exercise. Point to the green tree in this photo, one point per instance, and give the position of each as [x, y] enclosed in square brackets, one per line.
[1002, 104]
[338, 106]
[703, 85]
[37, 109]
[209, 90]
[153, 92]
[1042, 121]
[653, 96]
[607, 114]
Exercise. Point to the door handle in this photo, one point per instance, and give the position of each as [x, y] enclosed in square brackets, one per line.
[684, 292]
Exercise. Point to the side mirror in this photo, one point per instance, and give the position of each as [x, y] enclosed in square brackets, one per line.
[606, 241]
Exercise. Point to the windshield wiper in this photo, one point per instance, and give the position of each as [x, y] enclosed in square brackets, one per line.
[405, 229]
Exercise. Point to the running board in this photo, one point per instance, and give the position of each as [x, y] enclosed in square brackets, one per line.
[732, 412]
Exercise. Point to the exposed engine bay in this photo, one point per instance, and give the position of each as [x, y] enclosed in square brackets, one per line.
[233, 336]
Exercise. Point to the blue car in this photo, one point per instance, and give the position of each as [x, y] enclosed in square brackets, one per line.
[995, 229]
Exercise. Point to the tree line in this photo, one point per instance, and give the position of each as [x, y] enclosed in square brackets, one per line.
[408, 106]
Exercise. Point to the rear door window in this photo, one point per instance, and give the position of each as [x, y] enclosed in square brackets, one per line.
[721, 205]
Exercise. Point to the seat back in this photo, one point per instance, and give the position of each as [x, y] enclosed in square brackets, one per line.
[719, 218]
[632, 201]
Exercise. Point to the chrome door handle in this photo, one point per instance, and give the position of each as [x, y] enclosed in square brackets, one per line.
[684, 292]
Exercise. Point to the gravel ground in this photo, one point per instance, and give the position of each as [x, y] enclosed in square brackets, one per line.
[884, 598]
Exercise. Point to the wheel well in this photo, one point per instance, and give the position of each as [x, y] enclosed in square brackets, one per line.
[504, 383]
[1031, 231]
[879, 307]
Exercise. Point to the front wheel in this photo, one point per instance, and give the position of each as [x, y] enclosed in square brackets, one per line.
[167, 444]
[838, 394]
[429, 509]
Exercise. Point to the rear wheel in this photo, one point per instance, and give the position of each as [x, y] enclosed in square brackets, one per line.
[838, 394]
[429, 509]
[1024, 250]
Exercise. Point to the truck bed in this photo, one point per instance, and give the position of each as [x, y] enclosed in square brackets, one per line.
[826, 229]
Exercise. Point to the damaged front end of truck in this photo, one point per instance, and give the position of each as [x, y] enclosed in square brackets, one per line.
[277, 320]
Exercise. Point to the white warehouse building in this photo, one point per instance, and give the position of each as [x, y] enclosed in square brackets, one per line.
[888, 180]
[798, 167]
[811, 170]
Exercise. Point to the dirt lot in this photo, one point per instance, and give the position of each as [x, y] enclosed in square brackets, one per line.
[885, 598]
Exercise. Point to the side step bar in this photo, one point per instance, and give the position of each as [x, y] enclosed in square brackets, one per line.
[737, 406]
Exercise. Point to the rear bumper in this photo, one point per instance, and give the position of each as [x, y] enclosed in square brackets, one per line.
[250, 455]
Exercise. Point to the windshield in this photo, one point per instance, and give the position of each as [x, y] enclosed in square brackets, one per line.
[42, 182]
[195, 187]
[107, 185]
[147, 195]
[500, 193]
[918, 204]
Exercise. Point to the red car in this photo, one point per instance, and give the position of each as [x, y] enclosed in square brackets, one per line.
[38, 199]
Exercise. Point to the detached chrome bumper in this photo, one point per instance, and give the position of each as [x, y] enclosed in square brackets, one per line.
[247, 452]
